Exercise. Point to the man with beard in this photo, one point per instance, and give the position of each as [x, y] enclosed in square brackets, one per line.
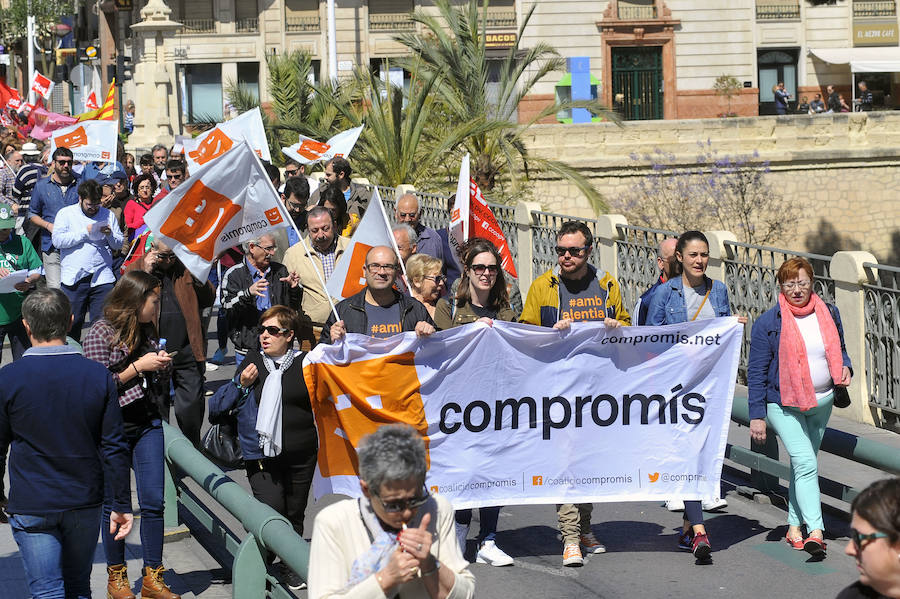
[296, 198]
[86, 235]
[49, 196]
[183, 300]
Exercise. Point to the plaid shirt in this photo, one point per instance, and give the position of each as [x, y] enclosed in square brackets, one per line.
[328, 259]
[98, 347]
[7, 183]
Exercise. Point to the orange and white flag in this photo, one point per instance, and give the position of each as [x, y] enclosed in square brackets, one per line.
[224, 203]
[89, 140]
[308, 150]
[215, 142]
[373, 230]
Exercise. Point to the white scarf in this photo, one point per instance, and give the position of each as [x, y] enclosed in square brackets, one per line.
[268, 419]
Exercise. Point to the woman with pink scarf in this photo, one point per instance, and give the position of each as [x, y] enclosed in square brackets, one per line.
[797, 359]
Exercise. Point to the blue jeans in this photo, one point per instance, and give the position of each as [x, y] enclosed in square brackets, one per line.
[489, 517]
[147, 460]
[801, 433]
[83, 297]
[58, 551]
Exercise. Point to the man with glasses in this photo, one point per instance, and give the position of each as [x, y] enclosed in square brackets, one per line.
[407, 243]
[175, 173]
[575, 291]
[49, 196]
[378, 310]
[293, 169]
[296, 200]
[253, 286]
[182, 301]
[408, 212]
[86, 235]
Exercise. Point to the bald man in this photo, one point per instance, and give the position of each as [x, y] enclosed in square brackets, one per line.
[409, 212]
[378, 310]
[665, 260]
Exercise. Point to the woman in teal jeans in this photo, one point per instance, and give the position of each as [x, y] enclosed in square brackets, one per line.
[797, 358]
[691, 296]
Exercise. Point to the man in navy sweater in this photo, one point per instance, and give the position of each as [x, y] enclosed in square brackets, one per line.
[61, 421]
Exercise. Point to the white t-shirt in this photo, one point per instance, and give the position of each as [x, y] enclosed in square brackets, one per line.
[815, 354]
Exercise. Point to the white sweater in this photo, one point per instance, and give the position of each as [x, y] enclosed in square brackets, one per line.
[340, 536]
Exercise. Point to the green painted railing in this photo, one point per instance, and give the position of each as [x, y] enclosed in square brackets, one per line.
[764, 461]
[268, 531]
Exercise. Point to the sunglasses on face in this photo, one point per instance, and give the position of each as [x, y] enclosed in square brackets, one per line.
[401, 505]
[291, 172]
[575, 252]
[166, 256]
[438, 279]
[274, 331]
[860, 539]
[479, 269]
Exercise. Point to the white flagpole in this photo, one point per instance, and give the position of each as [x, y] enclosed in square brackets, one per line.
[391, 236]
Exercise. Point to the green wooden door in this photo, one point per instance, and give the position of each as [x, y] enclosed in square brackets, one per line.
[637, 75]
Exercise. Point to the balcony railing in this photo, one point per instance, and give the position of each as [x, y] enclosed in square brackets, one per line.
[875, 8]
[302, 24]
[501, 18]
[777, 12]
[391, 22]
[637, 13]
[248, 25]
[198, 26]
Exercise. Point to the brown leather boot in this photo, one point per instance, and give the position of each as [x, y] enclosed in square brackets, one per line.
[154, 587]
[118, 587]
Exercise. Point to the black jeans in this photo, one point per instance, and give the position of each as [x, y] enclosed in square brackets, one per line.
[187, 380]
[18, 338]
[283, 483]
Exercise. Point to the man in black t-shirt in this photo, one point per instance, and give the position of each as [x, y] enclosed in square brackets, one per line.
[378, 310]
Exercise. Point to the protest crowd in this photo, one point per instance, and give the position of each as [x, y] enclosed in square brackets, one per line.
[110, 280]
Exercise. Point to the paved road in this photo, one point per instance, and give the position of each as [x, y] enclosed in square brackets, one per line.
[750, 559]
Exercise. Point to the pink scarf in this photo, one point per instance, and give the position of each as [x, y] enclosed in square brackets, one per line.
[793, 365]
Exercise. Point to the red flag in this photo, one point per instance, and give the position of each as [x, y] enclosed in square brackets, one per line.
[7, 93]
[483, 224]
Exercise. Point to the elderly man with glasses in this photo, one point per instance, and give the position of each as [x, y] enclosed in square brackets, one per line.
[182, 302]
[254, 285]
[378, 310]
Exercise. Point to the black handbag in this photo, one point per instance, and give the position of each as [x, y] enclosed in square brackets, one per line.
[221, 442]
[841, 397]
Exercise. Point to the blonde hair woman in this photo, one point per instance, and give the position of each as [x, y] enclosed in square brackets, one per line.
[426, 282]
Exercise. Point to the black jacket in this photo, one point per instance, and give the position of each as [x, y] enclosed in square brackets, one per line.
[240, 306]
[353, 312]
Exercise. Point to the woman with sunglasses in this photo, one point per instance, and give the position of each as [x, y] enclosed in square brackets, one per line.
[126, 341]
[396, 540]
[688, 296]
[481, 296]
[797, 359]
[875, 542]
[426, 282]
[144, 187]
[275, 420]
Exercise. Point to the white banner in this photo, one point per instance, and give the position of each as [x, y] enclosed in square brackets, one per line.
[308, 150]
[518, 414]
[222, 204]
[89, 140]
[215, 142]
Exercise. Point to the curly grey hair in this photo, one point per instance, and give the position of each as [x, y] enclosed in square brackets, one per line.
[392, 453]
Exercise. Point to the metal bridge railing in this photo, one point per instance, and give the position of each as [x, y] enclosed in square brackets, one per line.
[636, 250]
[267, 530]
[882, 333]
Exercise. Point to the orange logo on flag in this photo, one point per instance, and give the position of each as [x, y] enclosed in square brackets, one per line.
[455, 214]
[199, 218]
[104, 154]
[356, 272]
[349, 405]
[273, 216]
[311, 149]
[537, 481]
[73, 139]
[434, 489]
[213, 145]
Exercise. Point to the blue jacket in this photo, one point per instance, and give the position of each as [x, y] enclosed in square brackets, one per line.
[667, 305]
[47, 198]
[230, 396]
[60, 418]
[642, 308]
[762, 368]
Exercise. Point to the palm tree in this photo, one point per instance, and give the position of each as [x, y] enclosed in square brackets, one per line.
[454, 44]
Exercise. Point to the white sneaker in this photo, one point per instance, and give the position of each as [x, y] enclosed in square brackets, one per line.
[713, 504]
[675, 505]
[489, 553]
[462, 531]
[211, 367]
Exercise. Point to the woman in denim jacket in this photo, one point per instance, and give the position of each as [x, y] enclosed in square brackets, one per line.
[691, 296]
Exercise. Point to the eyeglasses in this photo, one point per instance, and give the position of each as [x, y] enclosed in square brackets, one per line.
[796, 284]
[64, 162]
[269, 249]
[401, 505]
[858, 539]
[381, 267]
[407, 214]
[438, 279]
[575, 252]
[166, 256]
[174, 175]
[274, 331]
[291, 172]
[479, 269]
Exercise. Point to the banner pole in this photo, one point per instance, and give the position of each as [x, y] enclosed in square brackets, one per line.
[391, 236]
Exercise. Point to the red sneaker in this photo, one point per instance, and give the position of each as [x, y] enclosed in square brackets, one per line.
[700, 547]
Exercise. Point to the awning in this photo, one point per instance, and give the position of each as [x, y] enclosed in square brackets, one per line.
[880, 59]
